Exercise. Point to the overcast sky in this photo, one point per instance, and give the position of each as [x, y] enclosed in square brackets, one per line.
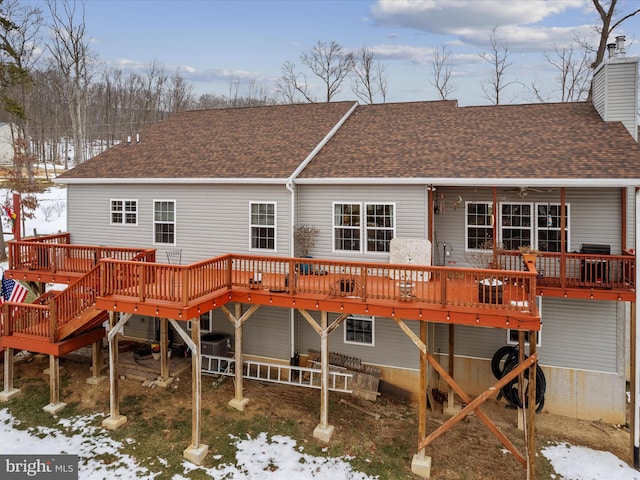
[213, 41]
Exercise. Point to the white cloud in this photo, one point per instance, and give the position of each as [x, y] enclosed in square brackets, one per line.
[450, 16]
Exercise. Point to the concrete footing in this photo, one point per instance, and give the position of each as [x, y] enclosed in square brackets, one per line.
[96, 380]
[5, 396]
[54, 408]
[164, 383]
[114, 423]
[323, 433]
[196, 454]
[421, 465]
[451, 410]
[239, 404]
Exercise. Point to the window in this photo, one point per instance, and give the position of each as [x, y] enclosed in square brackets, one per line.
[516, 225]
[205, 323]
[164, 221]
[520, 224]
[479, 225]
[379, 222]
[548, 227]
[124, 212]
[380, 227]
[346, 226]
[512, 335]
[263, 226]
[359, 329]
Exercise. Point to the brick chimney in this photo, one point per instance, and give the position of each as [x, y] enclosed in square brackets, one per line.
[615, 88]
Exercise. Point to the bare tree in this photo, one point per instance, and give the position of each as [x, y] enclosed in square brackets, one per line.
[179, 94]
[369, 77]
[329, 63]
[72, 56]
[573, 73]
[441, 66]
[498, 58]
[610, 21]
[291, 85]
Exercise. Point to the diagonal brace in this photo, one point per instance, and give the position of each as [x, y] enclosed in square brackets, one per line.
[475, 403]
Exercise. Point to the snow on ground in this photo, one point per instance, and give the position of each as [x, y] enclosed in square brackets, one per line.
[261, 458]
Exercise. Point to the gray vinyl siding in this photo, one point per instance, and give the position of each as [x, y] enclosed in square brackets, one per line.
[211, 220]
[578, 334]
[392, 346]
[590, 217]
[615, 94]
[315, 207]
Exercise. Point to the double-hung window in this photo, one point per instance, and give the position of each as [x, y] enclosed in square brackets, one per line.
[478, 225]
[371, 225]
[263, 225]
[548, 227]
[124, 212]
[516, 224]
[164, 222]
[360, 330]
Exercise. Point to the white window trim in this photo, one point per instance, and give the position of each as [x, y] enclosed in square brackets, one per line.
[203, 330]
[532, 225]
[124, 212]
[568, 225]
[373, 330]
[466, 223]
[539, 339]
[175, 222]
[363, 222]
[363, 226]
[275, 227]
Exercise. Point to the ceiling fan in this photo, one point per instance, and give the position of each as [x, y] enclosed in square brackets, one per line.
[524, 191]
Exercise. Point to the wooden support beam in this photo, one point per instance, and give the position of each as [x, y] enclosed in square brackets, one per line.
[8, 392]
[196, 452]
[239, 401]
[422, 395]
[531, 410]
[114, 420]
[55, 405]
[475, 403]
[324, 431]
[451, 397]
[164, 349]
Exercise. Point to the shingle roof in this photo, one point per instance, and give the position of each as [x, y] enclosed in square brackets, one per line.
[257, 142]
[432, 140]
[402, 140]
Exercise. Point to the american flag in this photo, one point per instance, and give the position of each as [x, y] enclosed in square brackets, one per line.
[12, 291]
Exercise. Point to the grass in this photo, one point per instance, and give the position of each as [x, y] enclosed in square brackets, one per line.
[158, 428]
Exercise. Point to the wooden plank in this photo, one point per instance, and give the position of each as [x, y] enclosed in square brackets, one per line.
[360, 409]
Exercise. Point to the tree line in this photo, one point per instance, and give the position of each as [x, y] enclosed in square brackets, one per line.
[70, 107]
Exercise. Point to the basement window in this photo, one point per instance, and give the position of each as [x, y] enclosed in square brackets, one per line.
[359, 330]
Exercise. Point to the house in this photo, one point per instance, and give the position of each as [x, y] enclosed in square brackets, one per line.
[226, 188]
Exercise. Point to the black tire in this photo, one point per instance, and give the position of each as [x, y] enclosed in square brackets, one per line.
[500, 359]
[510, 390]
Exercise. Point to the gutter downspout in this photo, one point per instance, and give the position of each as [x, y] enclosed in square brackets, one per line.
[292, 218]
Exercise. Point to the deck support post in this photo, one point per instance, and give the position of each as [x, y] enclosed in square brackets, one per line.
[8, 392]
[114, 420]
[196, 452]
[238, 401]
[451, 407]
[165, 380]
[55, 405]
[530, 430]
[421, 464]
[324, 431]
[97, 361]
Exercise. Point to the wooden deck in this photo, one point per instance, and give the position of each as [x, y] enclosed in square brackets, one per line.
[129, 280]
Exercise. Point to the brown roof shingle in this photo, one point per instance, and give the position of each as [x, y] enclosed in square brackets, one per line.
[435, 140]
[256, 142]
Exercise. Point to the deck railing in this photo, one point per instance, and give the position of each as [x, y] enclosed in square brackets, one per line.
[49, 255]
[465, 287]
[577, 270]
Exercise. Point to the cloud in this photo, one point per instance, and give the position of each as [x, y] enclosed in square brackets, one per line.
[453, 16]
